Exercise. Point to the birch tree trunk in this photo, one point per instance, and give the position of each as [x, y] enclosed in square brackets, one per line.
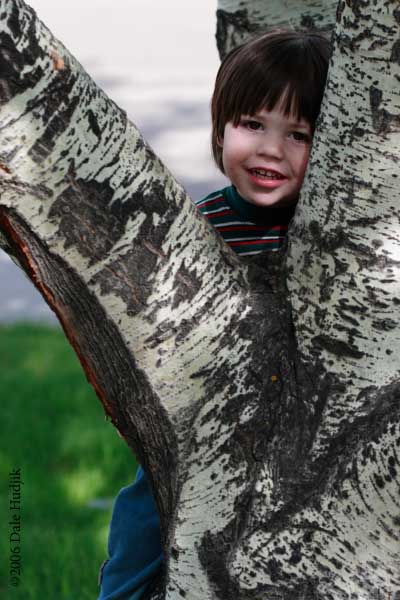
[239, 19]
[273, 451]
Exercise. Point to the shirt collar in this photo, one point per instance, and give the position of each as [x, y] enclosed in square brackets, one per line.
[257, 214]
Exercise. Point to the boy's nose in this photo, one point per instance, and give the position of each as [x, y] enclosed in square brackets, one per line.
[271, 146]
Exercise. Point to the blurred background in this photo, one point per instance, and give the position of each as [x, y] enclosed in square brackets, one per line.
[158, 62]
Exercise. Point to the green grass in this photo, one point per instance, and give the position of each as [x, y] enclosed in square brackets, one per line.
[53, 428]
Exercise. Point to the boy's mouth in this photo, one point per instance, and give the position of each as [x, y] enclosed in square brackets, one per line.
[266, 174]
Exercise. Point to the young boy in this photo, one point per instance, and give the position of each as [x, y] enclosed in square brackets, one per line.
[266, 100]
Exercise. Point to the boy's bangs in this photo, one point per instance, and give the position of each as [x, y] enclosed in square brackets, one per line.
[287, 89]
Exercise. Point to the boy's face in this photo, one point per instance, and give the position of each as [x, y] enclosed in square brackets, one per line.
[266, 156]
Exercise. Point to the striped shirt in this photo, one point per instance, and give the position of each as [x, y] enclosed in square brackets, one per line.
[247, 228]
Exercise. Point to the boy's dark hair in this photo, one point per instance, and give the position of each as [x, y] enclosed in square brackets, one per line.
[281, 64]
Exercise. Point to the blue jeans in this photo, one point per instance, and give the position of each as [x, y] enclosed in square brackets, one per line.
[134, 543]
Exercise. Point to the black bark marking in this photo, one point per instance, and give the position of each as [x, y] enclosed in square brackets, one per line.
[358, 7]
[113, 162]
[351, 312]
[14, 21]
[40, 192]
[241, 22]
[307, 22]
[395, 55]
[383, 121]
[93, 123]
[83, 219]
[140, 262]
[186, 285]
[91, 221]
[385, 325]
[128, 278]
[336, 347]
[327, 241]
[58, 119]
[357, 132]
[15, 78]
[339, 11]
[366, 257]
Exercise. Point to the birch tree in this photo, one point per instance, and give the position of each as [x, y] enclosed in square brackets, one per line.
[261, 398]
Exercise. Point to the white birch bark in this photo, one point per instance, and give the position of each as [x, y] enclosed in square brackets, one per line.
[343, 278]
[275, 467]
[239, 19]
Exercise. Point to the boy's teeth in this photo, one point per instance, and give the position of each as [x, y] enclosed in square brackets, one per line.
[267, 174]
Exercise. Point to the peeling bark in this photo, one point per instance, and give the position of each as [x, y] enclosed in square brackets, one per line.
[272, 443]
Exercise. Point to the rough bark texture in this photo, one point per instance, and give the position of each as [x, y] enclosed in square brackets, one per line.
[275, 466]
[343, 277]
[239, 19]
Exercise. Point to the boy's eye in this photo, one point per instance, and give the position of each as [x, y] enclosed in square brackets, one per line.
[300, 136]
[252, 125]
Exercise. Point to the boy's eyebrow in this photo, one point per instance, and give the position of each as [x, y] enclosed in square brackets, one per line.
[302, 123]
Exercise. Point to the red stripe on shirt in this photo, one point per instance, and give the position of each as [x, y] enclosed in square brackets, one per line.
[209, 202]
[222, 213]
[251, 242]
[249, 227]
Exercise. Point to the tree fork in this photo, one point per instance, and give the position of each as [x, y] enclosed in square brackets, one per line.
[281, 453]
